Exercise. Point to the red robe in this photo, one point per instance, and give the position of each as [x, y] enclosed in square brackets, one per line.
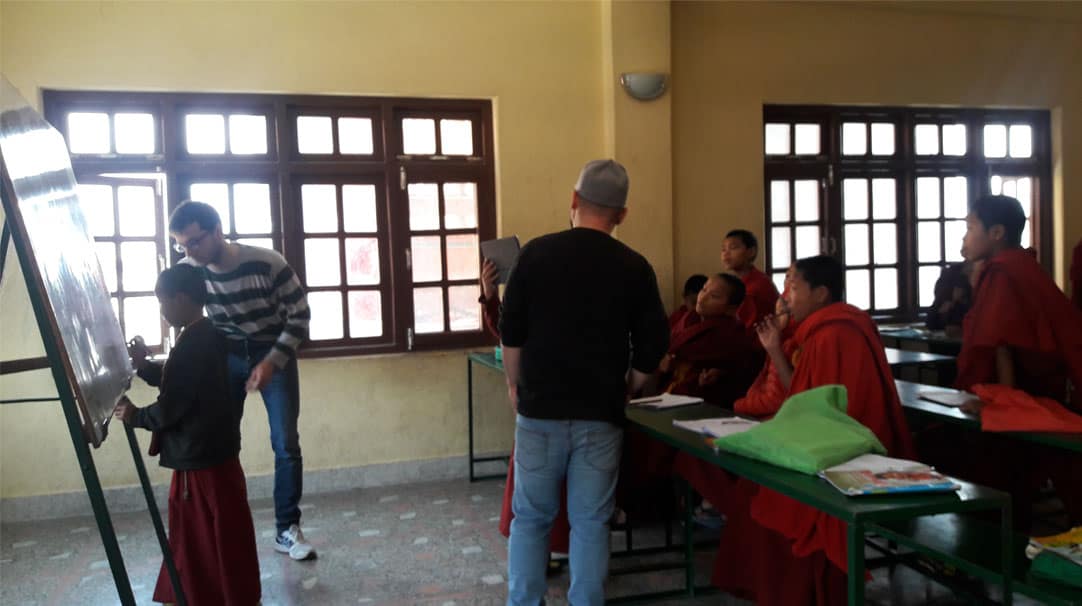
[680, 315]
[838, 344]
[1015, 304]
[720, 343]
[759, 299]
[766, 395]
[1076, 275]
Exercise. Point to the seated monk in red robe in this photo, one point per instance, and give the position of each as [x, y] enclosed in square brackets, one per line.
[711, 354]
[738, 252]
[692, 286]
[766, 395]
[1021, 332]
[775, 550]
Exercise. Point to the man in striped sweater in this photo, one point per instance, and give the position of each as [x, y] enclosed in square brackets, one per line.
[255, 299]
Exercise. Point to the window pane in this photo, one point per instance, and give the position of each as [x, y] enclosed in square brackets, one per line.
[205, 133]
[928, 197]
[142, 316]
[858, 288]
[1024, 193]
[137, 208]
[267, 243]
[355, 137]
[428, 310]
[807, 139]
[954, 139]
[365, 313]
[1027, 237]
[463, 258]
[134, 133]
[886, 288]
[326, 315]
[424, 206]
[314, 135]
[806, 193]
[419, 136]
[88, 133]
[359, 208]
[927, 277]
[251, 205]
[779, 281]
[427, 258]
[777, 139]
[996, 185]
[955, 197]
[319, 208]
[855, 199]
[883, 199]
[929, 248]
[856, 244]
[107, 258]
[854, 139]
[362, 261]
[885, 242]
[456, 139]
[97, 204]
[953, 232]
[217, 195]
[139, 266]
[995, 140]
[780, 248]
[322, 266]
[460, 205]
[247, 134]
[807, 241]
[882, 139]
[927, 139]
[779, 201]
[1021, 141]
[465, 311]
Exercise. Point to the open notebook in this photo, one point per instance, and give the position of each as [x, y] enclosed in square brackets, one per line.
[665, 400]
[951, 398]
[717, 428]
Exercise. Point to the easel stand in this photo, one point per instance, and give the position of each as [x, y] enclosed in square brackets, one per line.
[66, 396]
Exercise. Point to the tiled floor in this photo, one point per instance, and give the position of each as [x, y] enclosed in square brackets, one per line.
[434, 543]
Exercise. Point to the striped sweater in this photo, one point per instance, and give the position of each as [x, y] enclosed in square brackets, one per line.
[259, 298]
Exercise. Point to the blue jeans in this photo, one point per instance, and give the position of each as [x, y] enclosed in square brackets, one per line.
[282, 397]
[587, 453]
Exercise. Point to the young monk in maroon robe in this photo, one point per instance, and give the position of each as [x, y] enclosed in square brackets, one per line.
[197, 426]
[712, 356]
[1021, 332]
[775, 550]
[766, 395]
[738, 252]
[686, 311]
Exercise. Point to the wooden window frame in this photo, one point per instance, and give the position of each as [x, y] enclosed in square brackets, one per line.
[284, 168]
[905, 166]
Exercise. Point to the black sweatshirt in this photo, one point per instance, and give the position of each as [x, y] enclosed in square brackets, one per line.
[581, 305]
[197, 421]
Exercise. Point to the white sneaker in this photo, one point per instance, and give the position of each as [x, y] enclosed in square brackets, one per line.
[292, 542]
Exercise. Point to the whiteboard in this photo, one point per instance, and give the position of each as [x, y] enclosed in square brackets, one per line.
[42, 208]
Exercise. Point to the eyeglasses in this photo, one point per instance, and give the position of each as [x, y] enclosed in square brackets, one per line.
[190, 244]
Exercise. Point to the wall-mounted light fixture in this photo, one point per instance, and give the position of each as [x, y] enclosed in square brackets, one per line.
[644, 86]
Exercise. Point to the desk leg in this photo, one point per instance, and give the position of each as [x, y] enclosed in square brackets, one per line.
[469, 411]
[856, 563]
[689, 540]
[1006, 539]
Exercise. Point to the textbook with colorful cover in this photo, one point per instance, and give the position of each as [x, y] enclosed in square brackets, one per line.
[1057, 558]
[876, 474]
[1067, 544]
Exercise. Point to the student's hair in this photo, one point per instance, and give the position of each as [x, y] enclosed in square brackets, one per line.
[194, 212]
[745, 236]
[737, 290]
[1001, 210]
[183, 278]
[694, 284]
[823, 270]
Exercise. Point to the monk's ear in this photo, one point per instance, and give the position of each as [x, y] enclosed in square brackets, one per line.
[997, 233]
[821, 295]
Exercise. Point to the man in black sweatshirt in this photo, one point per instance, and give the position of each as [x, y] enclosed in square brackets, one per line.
[582, 327]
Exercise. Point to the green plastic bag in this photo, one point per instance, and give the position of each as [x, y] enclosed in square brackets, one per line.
[810, 433]
[1053, 567]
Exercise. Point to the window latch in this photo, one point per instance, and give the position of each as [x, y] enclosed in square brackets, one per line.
[402, 178]
[409, 260]
[409, 339]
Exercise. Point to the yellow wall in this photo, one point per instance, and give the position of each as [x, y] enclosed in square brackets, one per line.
[540, 63]
[731, 58]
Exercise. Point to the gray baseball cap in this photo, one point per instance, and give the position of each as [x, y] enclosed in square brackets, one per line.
[604, 183]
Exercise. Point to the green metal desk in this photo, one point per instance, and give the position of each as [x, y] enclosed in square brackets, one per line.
[937, 341]
[909, 393]
[486, 360]
[863, 515]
